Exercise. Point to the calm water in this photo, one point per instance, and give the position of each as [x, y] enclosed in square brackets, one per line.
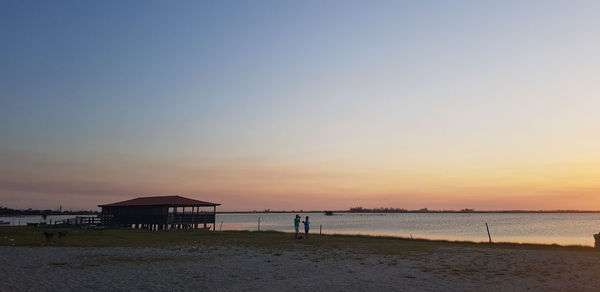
[526, 228]
[530, 228]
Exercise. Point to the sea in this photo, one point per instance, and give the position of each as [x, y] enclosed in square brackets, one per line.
[547, 228]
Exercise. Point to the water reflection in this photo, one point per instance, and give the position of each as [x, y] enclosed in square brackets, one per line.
[561, 228]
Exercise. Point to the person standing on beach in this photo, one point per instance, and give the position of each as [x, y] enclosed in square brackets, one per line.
[297, 225]
[306, 226]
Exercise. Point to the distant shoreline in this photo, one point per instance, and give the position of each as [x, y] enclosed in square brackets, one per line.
[334, 212]
[412, 212]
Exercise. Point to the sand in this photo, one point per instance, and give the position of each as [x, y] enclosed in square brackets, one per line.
[232, 268]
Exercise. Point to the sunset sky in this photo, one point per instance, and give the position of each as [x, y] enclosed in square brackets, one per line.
[301, 104]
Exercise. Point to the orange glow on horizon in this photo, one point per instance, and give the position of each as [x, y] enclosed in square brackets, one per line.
[330, 184]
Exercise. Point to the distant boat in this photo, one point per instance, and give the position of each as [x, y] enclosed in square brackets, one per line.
[328, 213]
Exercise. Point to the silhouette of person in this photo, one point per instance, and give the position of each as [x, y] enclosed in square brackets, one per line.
[297, 224]
[306, 226]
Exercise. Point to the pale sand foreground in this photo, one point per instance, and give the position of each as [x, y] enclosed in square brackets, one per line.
[227, 268]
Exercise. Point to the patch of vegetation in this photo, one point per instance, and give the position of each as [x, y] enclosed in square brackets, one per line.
[31, 236]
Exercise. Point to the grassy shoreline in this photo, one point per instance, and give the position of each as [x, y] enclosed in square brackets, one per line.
[32, 237]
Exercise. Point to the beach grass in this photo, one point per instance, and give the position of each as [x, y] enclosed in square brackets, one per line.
[32, 236]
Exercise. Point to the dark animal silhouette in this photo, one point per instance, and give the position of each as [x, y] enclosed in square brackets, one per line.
[48, 235]
[62, 234]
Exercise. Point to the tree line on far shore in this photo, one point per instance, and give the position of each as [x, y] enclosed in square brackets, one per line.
[16, 212]
[466, 210]
[402, 210]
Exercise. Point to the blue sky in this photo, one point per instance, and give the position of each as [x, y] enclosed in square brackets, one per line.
[386, 86]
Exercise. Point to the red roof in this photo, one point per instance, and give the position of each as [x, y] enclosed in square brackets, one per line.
[171, 201]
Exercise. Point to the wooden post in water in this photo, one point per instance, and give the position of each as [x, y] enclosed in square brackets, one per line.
[258, 223]
[320, 228]
[488, 231]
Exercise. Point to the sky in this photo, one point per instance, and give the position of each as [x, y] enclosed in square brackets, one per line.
[290, 105]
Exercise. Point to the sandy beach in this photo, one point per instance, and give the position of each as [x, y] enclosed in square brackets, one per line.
[242, 268]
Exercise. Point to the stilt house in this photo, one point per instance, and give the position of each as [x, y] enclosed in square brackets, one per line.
[159, 213]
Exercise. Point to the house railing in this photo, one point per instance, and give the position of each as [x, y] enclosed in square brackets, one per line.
[195, 218]
[171, 218]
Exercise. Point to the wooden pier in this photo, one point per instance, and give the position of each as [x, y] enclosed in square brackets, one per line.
[79, 221]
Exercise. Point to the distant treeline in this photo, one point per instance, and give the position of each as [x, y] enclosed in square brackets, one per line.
[377, 210]
[399, 210]
[425, 210]
[15, 212]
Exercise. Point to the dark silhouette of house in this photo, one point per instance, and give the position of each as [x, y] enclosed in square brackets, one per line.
[159, 213]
